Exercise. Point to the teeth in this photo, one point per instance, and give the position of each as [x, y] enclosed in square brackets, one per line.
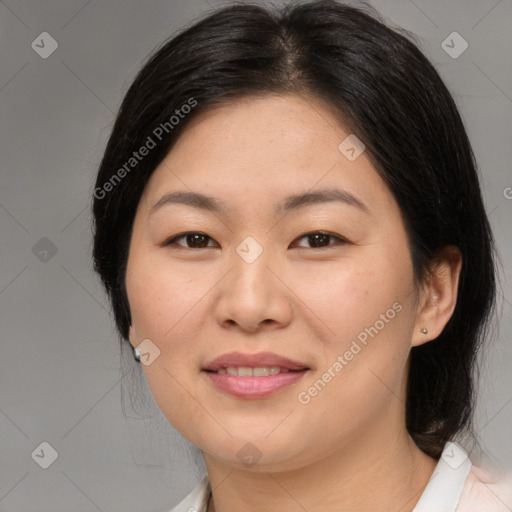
[244, 371]
[247, 371]
[261, 372]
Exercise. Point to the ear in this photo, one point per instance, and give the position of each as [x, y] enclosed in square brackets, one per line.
[438, 295]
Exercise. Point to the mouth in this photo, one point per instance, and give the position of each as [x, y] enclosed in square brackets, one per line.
[263, 362]
[253, 376]
[248, 371]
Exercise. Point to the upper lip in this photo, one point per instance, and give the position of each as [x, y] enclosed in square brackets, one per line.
[259, 360]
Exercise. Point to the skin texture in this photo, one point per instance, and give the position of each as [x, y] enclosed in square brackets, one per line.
[348, 448]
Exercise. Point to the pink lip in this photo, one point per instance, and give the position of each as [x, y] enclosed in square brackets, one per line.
[254, 387]
[261, 359]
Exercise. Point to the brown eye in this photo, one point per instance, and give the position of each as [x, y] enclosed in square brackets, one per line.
[321, 239]
[193, 240]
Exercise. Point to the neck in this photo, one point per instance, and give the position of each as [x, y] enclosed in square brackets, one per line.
[382, 473]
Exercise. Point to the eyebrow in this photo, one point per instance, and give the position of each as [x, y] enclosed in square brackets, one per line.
[212, 204]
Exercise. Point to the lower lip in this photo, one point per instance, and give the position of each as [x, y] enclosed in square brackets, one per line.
[254, 387]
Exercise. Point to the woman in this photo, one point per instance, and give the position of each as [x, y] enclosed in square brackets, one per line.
[289, 225]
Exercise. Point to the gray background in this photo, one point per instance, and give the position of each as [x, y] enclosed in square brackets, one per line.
[61, 377]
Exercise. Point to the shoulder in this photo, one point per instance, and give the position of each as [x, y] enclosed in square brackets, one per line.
[197, 500]
[484, 491]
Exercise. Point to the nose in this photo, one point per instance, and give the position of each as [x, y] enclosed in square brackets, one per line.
[253, 295]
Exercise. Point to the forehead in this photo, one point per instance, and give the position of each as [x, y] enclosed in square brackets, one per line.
[265, 148]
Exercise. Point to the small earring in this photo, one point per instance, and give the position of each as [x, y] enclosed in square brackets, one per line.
[136, 352]
[424, 330]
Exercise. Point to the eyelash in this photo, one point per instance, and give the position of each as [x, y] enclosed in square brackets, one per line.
[172, 241]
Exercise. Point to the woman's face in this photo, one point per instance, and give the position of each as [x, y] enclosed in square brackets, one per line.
[258, 277]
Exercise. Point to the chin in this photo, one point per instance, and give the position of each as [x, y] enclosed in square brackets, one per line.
[276, 453]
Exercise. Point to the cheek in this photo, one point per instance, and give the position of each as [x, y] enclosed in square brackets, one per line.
[163, 296]
[364, 313]
[349, 295]
[166, 307]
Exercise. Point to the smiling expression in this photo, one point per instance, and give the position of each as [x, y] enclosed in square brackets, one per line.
[256, 234]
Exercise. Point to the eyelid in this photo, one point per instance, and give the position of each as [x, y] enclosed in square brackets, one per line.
[172, 240]
[341, 240]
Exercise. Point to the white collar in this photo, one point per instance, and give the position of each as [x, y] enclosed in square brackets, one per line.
[444, 489]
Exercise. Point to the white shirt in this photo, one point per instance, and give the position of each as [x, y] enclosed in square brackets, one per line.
[456, 485]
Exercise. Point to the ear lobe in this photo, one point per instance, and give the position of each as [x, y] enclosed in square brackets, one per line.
[439, 295]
